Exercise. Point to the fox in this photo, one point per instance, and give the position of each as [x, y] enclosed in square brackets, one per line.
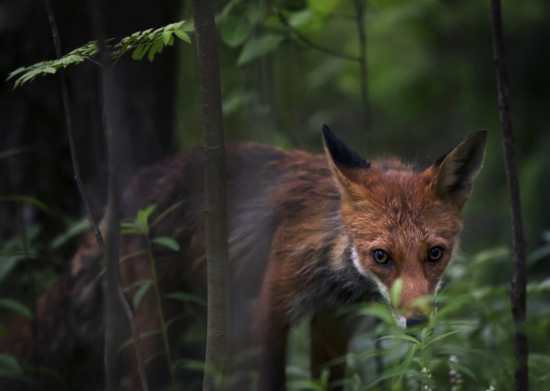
[307, 235]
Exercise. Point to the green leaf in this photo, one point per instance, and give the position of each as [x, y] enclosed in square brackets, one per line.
[166, 35]
[143, 215]
[28, 200]
[440, 337]
[395, 292]
[73, 231]
[181, 34]
[140, 293]
[298, 19]
[324, 7]
[255, 12]
[131, 228]
[401, 337]
[397, 372]
[380, 311]
[9, 366]
[8, 263]
[186, 297]
[195, 365]
[153, 50]
[16, 307]
[167, 242]
[139, 52]
[235, 30]
[237, 100]
[491, 255]
[258, 47]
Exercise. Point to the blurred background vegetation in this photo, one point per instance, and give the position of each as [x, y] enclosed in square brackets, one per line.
[289, 66]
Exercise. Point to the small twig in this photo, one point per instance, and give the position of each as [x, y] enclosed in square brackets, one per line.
[305, 41]
[163, 326]
[518, 295]
[68, 124]
[32, 280]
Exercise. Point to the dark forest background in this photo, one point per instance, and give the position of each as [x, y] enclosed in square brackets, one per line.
[287, 67]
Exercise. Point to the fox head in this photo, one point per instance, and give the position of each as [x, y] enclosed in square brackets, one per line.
[404, 224]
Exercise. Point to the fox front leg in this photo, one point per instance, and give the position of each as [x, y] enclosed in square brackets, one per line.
[271, 330]
[330, 337]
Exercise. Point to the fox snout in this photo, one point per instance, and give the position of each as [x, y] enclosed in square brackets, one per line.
[413, 301]
[416, 321]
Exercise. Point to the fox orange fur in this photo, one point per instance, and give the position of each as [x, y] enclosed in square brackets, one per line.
[307, 234]
[310, 233]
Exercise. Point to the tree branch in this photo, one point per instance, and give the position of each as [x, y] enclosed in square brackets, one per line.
[519, 279]
[306, 42]
[68, 123]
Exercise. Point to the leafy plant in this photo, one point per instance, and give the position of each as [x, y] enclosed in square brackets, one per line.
[141, 225]
[148, 43]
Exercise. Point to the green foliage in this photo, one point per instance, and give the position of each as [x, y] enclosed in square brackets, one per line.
[186, 298]
[258, 47]
[472, 326]
[148, 43]
[16, 307]
[169, 243]
[16, 250]
[141, 291]
[74, 229]
[151, 42]
[23, 75]
[9, 367]
[467, 345]
[140, 224]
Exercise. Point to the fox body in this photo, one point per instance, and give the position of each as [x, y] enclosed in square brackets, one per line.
[307, 234]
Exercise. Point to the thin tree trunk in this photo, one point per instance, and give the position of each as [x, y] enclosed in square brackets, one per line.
[112, 213]
[519, 279]
[69, 123]
[116, 308]
[360, 11]
[219, 293]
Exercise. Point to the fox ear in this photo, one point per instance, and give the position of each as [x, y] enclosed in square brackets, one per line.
[456, 171]
[343, 161]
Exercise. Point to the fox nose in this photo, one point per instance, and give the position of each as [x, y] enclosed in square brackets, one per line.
[416, 320]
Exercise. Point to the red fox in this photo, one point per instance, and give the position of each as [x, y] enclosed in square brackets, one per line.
[307, 234]
[310, 233]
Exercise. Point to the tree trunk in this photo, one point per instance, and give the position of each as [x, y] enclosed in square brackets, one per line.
[360, 11]
[219, 294]
[519, 278]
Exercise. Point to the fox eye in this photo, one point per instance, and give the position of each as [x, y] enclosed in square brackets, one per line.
[435, 253]
[380, 256]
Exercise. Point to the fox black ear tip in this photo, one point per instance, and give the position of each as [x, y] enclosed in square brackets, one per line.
[328, 135]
